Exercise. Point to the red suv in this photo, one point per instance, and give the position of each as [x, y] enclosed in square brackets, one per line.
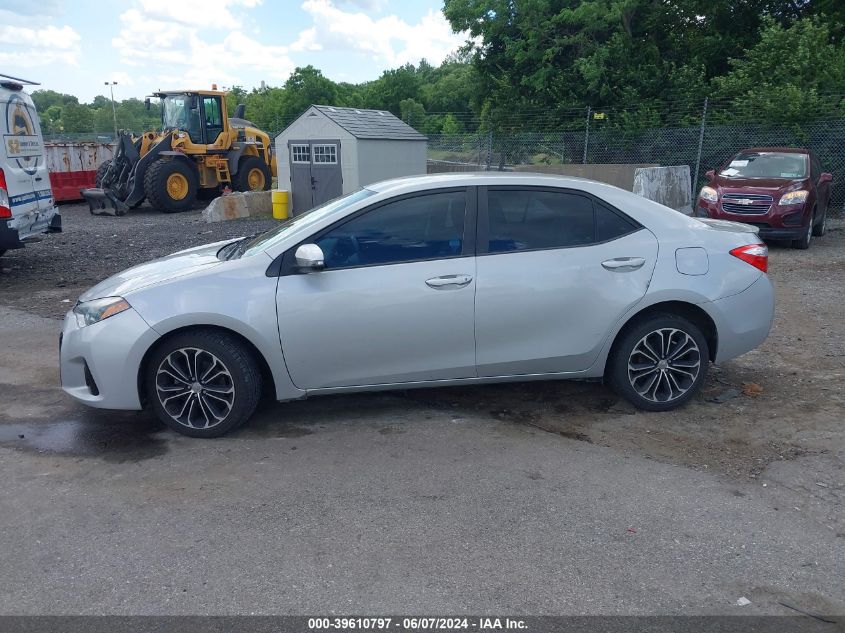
[781, 190]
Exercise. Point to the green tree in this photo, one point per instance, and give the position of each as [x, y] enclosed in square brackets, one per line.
[782, 78]
[76, 118]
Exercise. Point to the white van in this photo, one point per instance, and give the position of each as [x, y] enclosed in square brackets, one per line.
[26, 200]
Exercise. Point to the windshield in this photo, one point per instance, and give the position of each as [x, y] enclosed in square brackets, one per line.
[274, 236]
[174, 111]
[766, 165]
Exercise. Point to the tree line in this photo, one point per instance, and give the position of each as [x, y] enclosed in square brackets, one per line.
[777, 61]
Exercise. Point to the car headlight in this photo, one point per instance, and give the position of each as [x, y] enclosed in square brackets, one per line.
[91, 312]
[794, 197]
[709, 194]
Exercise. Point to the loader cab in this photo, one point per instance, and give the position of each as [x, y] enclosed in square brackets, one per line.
[200, 115]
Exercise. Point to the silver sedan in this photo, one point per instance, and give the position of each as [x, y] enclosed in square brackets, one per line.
[420, 282]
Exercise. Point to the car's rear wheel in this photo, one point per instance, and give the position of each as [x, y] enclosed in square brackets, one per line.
[803, 243]
[660, 363]
[203, 383]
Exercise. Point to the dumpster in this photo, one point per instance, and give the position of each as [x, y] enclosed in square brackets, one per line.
[73, 166]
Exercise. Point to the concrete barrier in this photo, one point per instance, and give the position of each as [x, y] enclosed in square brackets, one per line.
[232, 206]
[669, 186]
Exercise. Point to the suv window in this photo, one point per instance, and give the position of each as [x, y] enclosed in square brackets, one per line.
[423, 227]
[535, 219]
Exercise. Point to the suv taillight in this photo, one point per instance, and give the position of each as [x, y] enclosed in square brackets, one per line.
[755, 254]
[5, 209]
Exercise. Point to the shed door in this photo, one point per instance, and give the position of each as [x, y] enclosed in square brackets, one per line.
[315, 173]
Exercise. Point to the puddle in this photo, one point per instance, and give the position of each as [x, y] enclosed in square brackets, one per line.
[120, 437]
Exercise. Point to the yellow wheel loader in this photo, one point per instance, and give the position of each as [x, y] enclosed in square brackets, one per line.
[198, 152]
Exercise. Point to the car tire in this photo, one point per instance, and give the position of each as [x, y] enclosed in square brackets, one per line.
[253, 175]
[680, 365]
[803, 243]
[203, 383]
[171, 185]
[820, 227]
[101, 172]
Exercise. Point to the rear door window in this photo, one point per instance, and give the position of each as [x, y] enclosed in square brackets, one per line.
[535, 219]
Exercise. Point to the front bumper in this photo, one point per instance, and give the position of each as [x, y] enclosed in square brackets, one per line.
[743, 320]
[110, 353]
[780, 223]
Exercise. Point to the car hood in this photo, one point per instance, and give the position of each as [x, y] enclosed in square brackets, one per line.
[156, 271]
[769, 185]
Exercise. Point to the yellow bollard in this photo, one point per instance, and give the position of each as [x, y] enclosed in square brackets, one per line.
[280, 200]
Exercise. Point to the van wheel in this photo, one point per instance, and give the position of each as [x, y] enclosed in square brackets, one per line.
[253, 175]
[171, 185]
[660, 363]
[203, 383]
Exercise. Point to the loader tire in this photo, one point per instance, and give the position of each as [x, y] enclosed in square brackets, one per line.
[101, 171]
[171, 185]
[253, 175]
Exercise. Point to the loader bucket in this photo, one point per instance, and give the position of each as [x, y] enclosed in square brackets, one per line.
[103, 202]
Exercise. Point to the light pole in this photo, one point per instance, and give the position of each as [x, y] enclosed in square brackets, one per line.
[111, 85]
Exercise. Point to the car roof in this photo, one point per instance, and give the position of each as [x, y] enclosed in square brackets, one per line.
[491, 178]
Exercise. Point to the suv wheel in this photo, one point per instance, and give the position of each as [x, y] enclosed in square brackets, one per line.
[659, 364]
[203, 383]
[821, 227]
[803, 243]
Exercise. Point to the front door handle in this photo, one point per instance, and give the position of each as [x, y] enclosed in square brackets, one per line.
[623, 264]
[448, 281]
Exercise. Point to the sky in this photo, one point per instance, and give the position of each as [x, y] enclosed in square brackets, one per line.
[147, 45]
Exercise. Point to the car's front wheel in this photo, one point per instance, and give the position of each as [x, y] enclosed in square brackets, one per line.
[203, 383]
[660, 363]
[820, 228]
[803, 243]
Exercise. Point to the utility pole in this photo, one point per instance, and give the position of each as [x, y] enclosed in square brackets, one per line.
[587, 134]
[694, 175]
[111, 85]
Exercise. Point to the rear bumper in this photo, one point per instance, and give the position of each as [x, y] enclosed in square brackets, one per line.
[14, 232]
[743, 320]
[9, 237]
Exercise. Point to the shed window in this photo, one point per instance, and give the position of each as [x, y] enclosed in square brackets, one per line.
[300, 154]
[325, 154]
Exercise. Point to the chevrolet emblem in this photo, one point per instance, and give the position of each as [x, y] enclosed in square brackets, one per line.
[745, 201]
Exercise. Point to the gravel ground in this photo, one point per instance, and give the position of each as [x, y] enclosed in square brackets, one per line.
[781, 414]
[529, 498]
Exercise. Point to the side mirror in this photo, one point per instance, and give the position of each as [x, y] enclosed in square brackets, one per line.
[710, 174]
[147, 103]
[826, 177]
[309, 258]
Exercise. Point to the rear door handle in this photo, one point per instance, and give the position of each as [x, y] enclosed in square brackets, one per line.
[623, 264]
[448, 281]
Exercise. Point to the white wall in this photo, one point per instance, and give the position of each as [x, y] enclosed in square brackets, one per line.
[317, 127]
[382, 159]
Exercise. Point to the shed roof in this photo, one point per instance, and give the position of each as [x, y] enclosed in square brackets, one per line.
[370, 124]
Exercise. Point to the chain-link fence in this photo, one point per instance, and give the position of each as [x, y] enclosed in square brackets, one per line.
[703, 145]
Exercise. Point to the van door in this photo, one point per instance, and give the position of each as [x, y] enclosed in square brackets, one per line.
[23, 163]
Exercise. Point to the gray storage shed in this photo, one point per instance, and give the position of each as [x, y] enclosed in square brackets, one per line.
[329, 151]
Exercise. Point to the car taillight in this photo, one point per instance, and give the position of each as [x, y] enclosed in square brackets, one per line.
[5, 209]
[755, 254]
